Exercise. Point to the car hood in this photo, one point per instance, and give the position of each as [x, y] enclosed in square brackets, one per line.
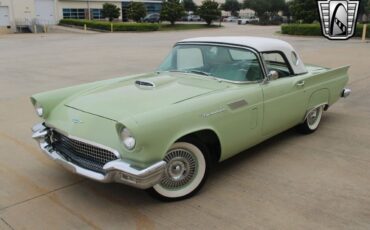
[138, 95]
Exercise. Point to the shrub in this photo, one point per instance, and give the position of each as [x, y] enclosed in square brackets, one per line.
[304, 10]
[136, 11]
[117, 26]
[359, 28]
[301, 29]
[172, 10]
[189, 5]
[209, 11]
[314, 29]
[110, 11]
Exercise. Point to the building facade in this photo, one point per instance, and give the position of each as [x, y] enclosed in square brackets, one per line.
[15, 14]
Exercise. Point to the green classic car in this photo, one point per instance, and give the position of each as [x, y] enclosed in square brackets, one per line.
[210, 99]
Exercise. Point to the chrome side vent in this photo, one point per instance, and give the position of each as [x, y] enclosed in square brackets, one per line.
[237, 104]
[144, 84]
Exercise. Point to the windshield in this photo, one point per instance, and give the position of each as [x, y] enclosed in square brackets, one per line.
[228, 63]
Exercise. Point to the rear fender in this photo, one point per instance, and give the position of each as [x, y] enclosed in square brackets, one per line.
[319, 97]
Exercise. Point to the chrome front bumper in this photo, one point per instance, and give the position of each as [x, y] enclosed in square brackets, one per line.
[116, 171]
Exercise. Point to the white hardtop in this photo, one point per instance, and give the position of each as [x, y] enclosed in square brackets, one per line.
[260, 44]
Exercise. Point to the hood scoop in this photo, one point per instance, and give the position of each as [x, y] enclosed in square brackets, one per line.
[145, 84]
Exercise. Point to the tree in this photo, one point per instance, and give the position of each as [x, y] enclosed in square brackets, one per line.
[304, 10]
[231, 5]
[209, 11]
[265, 8]
[172, 10]
[189, 5]
[364, 9]
[110, 11]
[136, 11]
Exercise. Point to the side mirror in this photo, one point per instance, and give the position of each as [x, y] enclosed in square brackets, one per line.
[273, 75]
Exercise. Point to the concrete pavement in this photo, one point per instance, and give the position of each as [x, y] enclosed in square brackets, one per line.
[319, 181]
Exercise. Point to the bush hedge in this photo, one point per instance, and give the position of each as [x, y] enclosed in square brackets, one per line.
[106, 26]
[315, 29]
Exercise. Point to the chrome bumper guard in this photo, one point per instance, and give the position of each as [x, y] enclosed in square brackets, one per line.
[116, 171]
[346, 92]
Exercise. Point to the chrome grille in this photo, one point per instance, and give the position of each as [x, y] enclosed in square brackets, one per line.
[83, 154]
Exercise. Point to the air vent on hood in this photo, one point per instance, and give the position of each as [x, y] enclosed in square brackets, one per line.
[144, 84]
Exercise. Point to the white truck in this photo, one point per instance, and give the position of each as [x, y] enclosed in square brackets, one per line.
[251, 19]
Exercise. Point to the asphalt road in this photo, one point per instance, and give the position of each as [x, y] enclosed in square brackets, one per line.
[319, 181]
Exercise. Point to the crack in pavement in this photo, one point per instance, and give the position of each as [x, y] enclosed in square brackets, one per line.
[41, 195]
[6, 223]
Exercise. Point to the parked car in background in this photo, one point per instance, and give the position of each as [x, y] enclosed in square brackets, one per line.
[231, 19]
[191, 18]
[155, 17]
[210, 99]
[252, 19]
[194, 18]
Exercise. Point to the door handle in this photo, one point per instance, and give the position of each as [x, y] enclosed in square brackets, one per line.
[300, 83]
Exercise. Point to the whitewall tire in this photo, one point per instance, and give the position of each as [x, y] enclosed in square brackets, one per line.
[312, 121]
[186, 172]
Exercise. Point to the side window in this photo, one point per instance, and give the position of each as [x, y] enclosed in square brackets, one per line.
[189, 58]
[275, 61]
[247, 64]
[239, 55]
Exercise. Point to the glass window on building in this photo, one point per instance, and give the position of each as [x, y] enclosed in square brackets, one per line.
[70, 13]
[152, 7]
[97, 14]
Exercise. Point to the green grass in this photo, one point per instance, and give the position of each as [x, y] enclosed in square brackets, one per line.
[315, 29]
[169, 27]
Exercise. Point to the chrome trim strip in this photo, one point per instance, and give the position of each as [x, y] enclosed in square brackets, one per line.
[213, 78]
[116, 171]
[346, 92]
[237, 104]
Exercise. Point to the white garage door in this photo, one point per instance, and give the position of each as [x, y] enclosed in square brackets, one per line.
[45, 11]
[4, 16]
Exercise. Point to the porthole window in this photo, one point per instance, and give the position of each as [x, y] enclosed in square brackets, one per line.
[295, 59]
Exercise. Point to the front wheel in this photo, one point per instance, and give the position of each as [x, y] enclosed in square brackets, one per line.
[185, 173]
[312, 121]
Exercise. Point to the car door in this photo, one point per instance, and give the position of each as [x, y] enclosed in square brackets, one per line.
[284, 98]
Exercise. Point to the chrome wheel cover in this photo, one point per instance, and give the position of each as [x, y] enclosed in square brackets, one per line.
[314, 117]
[181, 169]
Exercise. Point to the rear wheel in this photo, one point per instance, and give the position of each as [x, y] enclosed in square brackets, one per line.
[312, 121]
[185, 173]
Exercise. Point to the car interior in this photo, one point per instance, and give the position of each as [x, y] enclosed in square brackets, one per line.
[223, 62]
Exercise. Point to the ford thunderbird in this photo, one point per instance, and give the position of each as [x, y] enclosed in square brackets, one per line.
[162, 131]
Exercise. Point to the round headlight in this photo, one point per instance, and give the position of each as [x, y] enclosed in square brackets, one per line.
[127, 139]
[39, 111]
